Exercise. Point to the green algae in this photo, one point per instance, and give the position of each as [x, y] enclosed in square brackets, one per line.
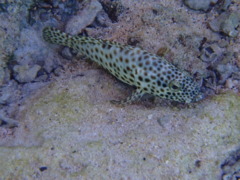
[231, 103]
[229, 97]
[63, 104]
[230, 113]
[95, 144]
[14, 161]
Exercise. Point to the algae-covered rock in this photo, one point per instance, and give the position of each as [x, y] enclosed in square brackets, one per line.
[62, 130]
[203, 5]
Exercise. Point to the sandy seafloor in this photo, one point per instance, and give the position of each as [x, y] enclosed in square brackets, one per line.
[68, 129]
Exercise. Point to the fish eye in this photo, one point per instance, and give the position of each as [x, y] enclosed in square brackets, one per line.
[174, 85]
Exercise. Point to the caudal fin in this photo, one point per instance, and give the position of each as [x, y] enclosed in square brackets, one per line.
[55, 36]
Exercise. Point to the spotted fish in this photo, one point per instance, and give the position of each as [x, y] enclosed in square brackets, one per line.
[148, 72]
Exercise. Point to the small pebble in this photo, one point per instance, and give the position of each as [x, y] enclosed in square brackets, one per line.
[150, 116]
[198, 163]
[229, 84]
[162, 51]
[66, 53]
[43, 168]
[58, 71]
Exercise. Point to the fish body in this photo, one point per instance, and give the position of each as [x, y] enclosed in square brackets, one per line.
[150, 73]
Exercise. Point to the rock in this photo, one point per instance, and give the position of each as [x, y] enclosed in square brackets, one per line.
[61, 129]
[238, 59]
[24, 73]
[203, 5]
[7, 122]
[102, 19]
[30, 47]
[33, 50]
[230, 83]
[9, 33]
[225, 4]
[83, 18]
[113, 9]
[162, 121]
[2, 74]
[32, 87]
[230, 167]
[226, 23]
[58, 71]
[210, 53]
[66, 53]
[44, 16]
[52, 11]
[225, 71]
[9, 93]
[40, 78]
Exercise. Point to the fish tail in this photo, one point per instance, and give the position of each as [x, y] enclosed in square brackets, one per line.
[55, 36]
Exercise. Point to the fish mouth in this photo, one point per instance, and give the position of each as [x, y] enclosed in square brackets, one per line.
[198, 97]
